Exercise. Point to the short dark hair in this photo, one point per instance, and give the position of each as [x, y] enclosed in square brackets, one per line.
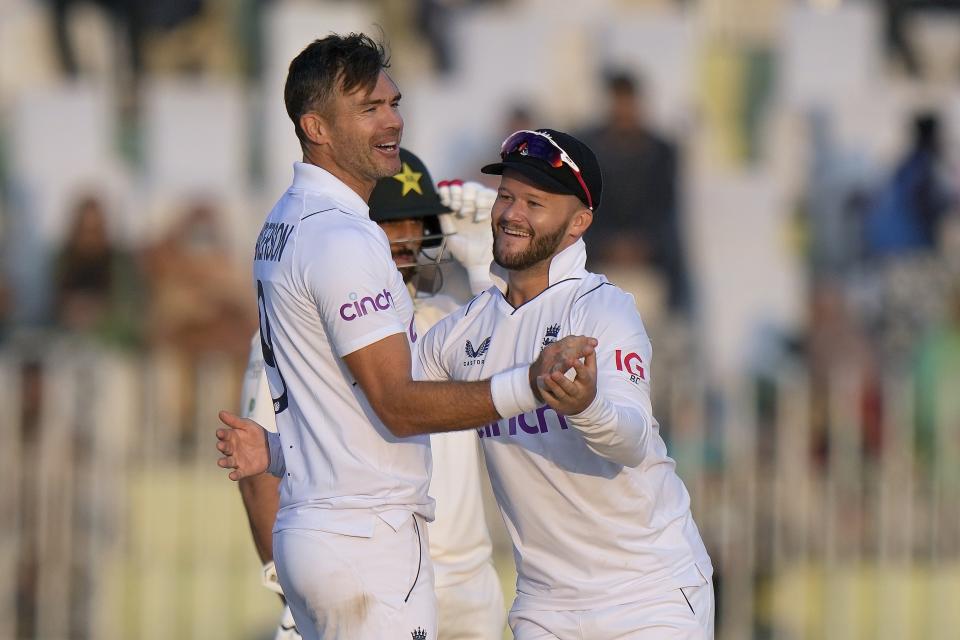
[350, 62]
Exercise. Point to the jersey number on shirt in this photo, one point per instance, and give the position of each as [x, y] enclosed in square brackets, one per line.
[266, 345]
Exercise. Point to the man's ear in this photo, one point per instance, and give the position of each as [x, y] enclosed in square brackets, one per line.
[314, 127]
[580, 222]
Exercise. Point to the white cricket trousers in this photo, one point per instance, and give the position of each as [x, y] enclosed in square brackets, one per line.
[678, 614]
[351, 588]
[472, 609]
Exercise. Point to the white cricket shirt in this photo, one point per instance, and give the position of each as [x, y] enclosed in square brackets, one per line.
[587, 530]
[327, 286]
[459, 540]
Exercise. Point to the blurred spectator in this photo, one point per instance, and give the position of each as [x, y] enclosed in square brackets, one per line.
[897, 22]
[836, 195]
[96, 284]
[201, 300]
[202, 309]
[433, 25]
[898, 44]
[638, 222]
[519, 116]
[906, 214]
[133, 18]
[841, 358]
[937, 378]
[128, 18]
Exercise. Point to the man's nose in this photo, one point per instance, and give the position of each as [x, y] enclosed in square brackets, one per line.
[394, 120]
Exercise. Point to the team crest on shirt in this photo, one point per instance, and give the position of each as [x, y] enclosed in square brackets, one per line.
[550, 335]
[418, 634]
[476, 356]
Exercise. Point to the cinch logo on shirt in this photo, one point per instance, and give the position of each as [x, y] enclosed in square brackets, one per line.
[534, 423]
[368, 304]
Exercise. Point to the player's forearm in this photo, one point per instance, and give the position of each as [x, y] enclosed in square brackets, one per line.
[261, 499]
[614, 431]
[431, 407]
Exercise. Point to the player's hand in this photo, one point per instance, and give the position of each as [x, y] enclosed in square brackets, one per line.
[569, 396]
[471, 242]
[243, 446]
[560, 357]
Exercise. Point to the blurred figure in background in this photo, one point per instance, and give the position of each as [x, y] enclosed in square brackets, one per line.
[96, 284]
[639, 223]
[833, 201]
[937, 377]
[840, 352]
[908, 210]
[200, 302]
[519, 117]
[200, 310]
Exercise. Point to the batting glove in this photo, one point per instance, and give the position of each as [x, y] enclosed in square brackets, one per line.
[472, 241]
[287, 630]
[270, 578]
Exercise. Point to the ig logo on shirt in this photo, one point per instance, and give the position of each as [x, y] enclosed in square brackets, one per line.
[631, 363]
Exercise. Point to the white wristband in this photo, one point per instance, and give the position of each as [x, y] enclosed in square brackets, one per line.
[511, 392]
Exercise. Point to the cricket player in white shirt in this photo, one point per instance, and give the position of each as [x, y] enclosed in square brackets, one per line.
[410, 212]
[604, 541]
[336, 328]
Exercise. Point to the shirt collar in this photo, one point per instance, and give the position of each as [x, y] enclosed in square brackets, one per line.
[310, 177]
[569, 263]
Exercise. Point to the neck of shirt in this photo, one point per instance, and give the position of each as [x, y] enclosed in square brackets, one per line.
[310, 177]
[569, 263]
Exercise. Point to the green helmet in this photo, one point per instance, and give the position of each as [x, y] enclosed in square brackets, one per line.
[410, 194]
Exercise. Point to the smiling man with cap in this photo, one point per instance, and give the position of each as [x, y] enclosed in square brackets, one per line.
[604, 541]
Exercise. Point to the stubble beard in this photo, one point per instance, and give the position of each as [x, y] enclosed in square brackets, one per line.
[540, 248]
[361, 161]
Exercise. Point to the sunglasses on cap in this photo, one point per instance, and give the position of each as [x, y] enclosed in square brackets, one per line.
[535, 144]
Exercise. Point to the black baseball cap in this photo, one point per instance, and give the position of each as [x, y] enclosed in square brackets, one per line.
[529, 153]
[408, 194]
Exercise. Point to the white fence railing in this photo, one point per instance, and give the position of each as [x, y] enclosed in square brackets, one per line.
[117, 523]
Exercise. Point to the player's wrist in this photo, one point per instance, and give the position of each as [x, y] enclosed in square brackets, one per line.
[512, 392]
[592, 414]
